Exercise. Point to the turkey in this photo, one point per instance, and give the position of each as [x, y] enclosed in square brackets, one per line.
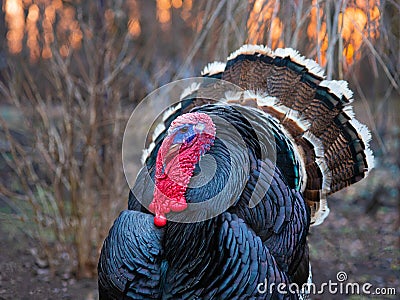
[229, 189]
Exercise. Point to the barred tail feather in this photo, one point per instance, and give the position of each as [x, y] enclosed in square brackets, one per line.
[314, 113]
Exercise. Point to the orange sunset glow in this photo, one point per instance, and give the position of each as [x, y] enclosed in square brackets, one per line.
[358, 20]
[35, 24]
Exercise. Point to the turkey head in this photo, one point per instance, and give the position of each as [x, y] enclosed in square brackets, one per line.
[189, 137]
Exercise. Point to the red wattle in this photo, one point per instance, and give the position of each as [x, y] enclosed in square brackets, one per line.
[175, 165]
[152, 207]
[160, 221]
[178, 206]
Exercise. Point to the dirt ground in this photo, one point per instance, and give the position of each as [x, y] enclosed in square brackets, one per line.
[23, 277]
[364, 245]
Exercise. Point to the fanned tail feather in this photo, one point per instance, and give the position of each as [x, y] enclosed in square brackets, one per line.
[316, 113]
[331, 145]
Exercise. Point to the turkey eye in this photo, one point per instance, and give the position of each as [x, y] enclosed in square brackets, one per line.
[183, 130]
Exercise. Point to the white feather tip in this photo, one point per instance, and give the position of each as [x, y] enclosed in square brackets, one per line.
[250, 50]
[213, 68]
[190, 89]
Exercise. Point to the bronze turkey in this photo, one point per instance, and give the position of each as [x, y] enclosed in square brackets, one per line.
[276, 147]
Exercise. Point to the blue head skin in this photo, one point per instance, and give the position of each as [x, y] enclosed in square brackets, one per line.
[185, 134]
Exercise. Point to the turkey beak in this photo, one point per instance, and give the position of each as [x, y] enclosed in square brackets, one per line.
[171, 153]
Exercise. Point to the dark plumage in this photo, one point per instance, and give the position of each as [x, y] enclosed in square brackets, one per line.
[281, 146]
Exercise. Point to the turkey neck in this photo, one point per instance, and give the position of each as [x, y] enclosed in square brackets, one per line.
[172, 177]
